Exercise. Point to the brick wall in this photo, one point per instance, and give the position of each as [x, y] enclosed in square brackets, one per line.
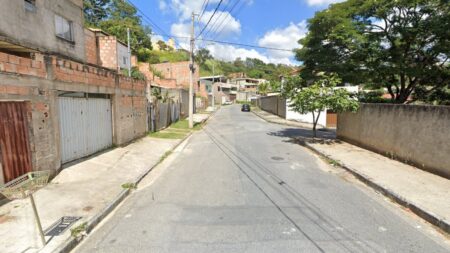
[39, 81]
[90, 47]
[108, 51]
[178, 71]
[25, 66]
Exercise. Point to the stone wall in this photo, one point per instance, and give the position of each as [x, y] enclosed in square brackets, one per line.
[415, 134]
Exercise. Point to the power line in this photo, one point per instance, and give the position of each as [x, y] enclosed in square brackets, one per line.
[226, 18]
[232, 43]
[203, 9]
[217, 18]
[217, 32]
[152, 23]
[247, 45]
[218, 5]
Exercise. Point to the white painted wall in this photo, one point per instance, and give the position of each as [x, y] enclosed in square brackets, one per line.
[305, 118]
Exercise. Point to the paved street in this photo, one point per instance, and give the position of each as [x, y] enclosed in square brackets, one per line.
[241, 185]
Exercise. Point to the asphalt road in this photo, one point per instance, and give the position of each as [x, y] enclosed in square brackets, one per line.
[242, 185]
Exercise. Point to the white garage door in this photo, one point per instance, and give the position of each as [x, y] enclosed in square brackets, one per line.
[85, 126]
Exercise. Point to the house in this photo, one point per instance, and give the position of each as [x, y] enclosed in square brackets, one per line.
[60, 104]
[224, 92]
[50, 27]
[248, 84]
[207, 82]
[109, 51]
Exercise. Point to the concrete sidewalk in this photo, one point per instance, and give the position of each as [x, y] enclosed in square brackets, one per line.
[424, 193]
[89, 189]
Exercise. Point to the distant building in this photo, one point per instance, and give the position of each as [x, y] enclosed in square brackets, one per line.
[110, 52]
[248, 84]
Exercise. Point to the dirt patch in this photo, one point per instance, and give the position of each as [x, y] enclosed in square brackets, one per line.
[5, 218]
[88, 208]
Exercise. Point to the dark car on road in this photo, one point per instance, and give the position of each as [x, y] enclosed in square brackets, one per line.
[245, 108]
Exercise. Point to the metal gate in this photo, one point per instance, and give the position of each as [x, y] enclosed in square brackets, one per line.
[85, 126]
[15, 154]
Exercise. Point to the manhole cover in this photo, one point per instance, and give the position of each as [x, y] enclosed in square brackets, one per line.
[277, 158]
[61, 225]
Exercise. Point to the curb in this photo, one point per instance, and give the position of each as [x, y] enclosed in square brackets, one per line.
[72, 242]
[424, 214]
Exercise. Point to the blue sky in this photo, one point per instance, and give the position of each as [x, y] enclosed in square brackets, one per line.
[267, 23]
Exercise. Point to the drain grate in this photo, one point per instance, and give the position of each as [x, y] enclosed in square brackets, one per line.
[61, 225]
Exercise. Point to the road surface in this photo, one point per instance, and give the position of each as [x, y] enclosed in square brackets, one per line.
[242, 185]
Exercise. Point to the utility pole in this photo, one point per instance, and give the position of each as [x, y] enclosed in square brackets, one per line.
[191, 76]
[213, 90]
[129, 52]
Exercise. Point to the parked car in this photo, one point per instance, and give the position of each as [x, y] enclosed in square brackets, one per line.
[245, 108]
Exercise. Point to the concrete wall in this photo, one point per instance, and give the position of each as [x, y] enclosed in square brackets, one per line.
[305, 118]
[36, 29]
[122, 52]
[273, 104]
[39, 81]
[416, 134]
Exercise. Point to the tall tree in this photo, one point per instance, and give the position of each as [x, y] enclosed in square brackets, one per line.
[114, 17]
[95, 11]
[401, 45]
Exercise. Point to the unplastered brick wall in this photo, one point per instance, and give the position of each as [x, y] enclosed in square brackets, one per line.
[49, 75]
[178, 71]
[90, 47]
[71, 71]
[132, 110]
[108, 51]
[20, 65]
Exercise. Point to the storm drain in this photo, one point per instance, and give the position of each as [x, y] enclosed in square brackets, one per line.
[61, 225]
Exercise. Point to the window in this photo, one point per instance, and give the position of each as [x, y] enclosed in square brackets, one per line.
[30, 5]
[63, 28]
[124, 60]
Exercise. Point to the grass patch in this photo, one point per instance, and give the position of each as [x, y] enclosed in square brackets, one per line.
[165, 156]
[168, 135]
[76, 231]
[129, 186]
[184, 124]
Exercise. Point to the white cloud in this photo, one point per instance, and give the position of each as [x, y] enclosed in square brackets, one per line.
[228, 24]
[322, 2]
[230, 53]
[285, 38]
[162, 5]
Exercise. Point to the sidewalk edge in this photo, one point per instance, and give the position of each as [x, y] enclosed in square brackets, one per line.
[72, 242]
[424, 214]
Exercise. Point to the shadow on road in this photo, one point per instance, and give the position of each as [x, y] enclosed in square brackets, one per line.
[301, 136]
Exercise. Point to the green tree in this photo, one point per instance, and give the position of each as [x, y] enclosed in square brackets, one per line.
[320, 95]
[202, 56]
[264, 88]
[114, 17]
[95, 11]
[162, 45]
[400, 45]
